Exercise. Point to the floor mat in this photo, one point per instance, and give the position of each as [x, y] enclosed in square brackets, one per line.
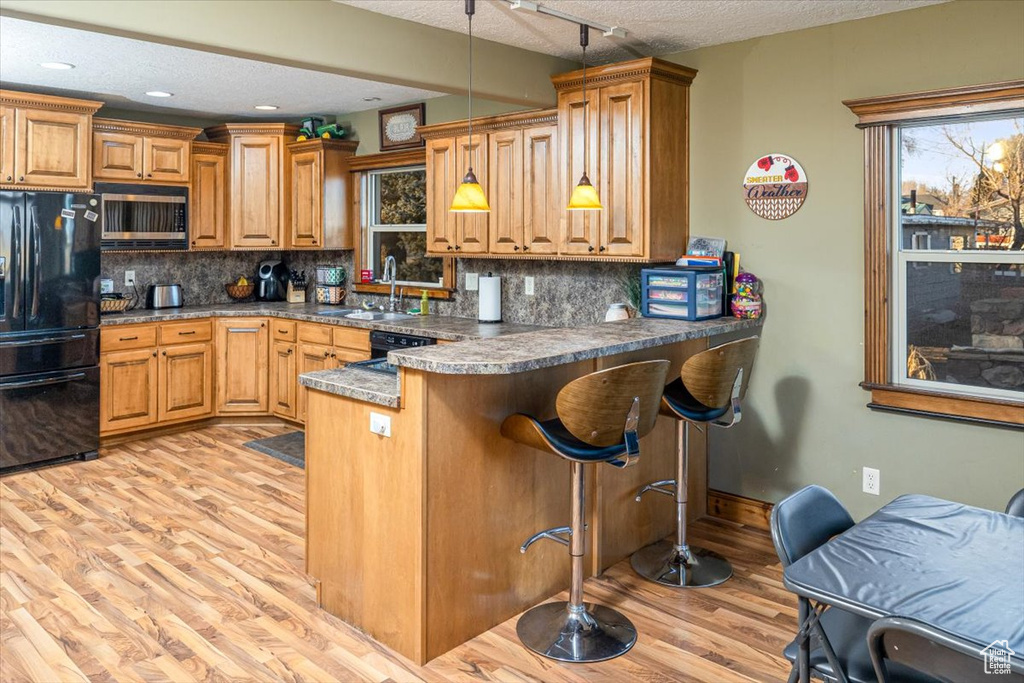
[290, 447]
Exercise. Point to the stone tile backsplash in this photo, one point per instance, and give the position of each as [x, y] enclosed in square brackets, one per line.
[567, 293]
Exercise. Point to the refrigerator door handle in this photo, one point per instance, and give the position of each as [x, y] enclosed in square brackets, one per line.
[42, 382]
[16, 265]
[37, 249]
[44, 340]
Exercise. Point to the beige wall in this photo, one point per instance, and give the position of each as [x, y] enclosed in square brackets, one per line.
[807, 421]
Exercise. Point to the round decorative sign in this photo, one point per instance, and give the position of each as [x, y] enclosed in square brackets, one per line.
[775, 187]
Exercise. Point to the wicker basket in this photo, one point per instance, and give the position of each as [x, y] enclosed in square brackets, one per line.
[239, 292]
[329, 294]
[114, 305]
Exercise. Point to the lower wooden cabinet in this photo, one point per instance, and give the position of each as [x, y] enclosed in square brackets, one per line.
[185, 382]
[312, 357]
[128, 389]
[284, 385]
[242, 355]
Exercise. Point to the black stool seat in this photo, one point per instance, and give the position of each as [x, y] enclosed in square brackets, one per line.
[682, 403]
[551, 435]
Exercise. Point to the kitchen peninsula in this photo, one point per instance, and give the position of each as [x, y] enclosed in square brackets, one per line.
[453, 499]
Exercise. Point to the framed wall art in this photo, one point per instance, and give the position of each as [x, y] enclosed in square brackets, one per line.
[399, 127]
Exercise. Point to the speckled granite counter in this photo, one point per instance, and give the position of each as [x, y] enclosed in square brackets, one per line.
[550, 347]
[436, 326]
[356, 382]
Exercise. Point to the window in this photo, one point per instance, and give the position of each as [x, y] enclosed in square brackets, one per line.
[944, 265]
[396, 225]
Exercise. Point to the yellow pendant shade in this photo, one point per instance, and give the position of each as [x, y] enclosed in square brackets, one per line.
[469, 198]
[584, 197]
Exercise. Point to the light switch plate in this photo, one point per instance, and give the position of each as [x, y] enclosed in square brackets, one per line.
[129, 278]
[528, 286]
[472, 282]
[380, 424]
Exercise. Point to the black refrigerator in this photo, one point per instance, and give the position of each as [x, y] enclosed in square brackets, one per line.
[49, 328]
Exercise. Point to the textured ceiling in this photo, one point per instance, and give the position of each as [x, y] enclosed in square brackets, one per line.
[120, 70]
[655, 27]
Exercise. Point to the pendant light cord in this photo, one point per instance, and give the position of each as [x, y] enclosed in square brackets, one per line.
[470, 10]
[584, 40]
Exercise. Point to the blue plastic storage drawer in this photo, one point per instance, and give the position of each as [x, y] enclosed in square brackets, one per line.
[682, 293]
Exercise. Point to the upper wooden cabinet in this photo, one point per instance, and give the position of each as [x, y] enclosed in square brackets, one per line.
[523, 190]
[441, 185]
[45, 141]
[319, 194]
[133, 152]
[208, 195]
[257, 168]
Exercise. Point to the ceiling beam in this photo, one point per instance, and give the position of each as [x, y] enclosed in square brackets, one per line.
[318, 35]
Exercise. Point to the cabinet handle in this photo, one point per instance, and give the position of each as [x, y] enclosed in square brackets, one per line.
[263, 324]
[138, 175]
[327, 354]
[149, 175]
[602, 248]
[128, 338]
[242, 329]
[273, 241]
[283, 331]
[154, 354]
[457, 247]
[590, 248]
[165, 353]
[21, 179]
[193, 243]
[526, 247]
[449, 247]
[290, 351]
[515, 248]
[184, 334]
[334, 355]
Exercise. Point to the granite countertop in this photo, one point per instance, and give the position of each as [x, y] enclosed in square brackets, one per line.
[549, 347]
[436, 326]
[356, 382]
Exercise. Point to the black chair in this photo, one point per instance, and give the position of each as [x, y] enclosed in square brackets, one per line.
[1016, 505]
[898, 642]
[801, 523]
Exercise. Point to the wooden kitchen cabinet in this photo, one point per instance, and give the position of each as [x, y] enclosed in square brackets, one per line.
[208, 196]
[542, 196]
[257, 188]
[505, 191]
[46, 142]
[319, 194]
[621, 184]
[312, 357]
[471, 228]
[135, 152]
[284, 375]
[185, 382]
[325, 347]
[128, 389]
[242, 356]
[441, 185]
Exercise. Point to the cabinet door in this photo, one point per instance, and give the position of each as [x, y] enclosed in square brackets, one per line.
[284, 380]
[186, 381]
[52, 148]
[441, 185]
[242, 354]
[166, 160]
[116, 156]
[580, 228]
[6, 144]
[622, 164]
[343, 356]
[312, 357]
[306, 201]
[505, 192]
[208, 216]
[542, 196]
[255, 191]
[128, 389]
[471, 228]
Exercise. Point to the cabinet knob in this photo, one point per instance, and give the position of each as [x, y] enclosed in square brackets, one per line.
[138, 175]
[327, 354]
[193, 243]
[154, 354]
[449, 247]
[526, 247]
[263, 324]
[602, 248]
[515, 248]
[21, 179]
[290, 351]
[457, 247]
[334, 355]
[590, 248]
[165, 353]
[273, 241]
[149, 175]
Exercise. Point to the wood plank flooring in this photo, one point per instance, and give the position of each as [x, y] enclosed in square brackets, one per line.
[180, 558]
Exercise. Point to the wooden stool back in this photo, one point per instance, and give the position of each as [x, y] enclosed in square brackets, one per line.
[594, 408]
[709, 375]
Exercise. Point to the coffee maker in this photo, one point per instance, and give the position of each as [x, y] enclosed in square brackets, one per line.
[272, 281]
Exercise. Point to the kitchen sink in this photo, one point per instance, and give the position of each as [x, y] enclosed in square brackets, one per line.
[337, 311]
[377, 315]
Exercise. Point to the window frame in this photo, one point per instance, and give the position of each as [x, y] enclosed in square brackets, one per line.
[881, 118]
[362, 167]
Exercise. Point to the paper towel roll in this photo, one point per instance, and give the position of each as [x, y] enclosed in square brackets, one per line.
[490, 299]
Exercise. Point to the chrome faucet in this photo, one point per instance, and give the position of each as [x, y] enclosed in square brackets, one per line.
[391, 269]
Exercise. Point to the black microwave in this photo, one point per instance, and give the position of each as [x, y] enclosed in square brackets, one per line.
[143, 216]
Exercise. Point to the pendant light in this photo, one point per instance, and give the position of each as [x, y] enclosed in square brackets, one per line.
[584, 195]
[469, 198]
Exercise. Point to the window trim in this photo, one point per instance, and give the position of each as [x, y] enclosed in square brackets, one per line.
[879, 117]
[361, 168]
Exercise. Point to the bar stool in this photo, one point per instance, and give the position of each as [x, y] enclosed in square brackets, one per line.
[601, 419]
[710, 383]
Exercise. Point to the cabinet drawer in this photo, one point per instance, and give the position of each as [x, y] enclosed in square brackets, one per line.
[283, 330]
[352, 338]
[186, 332]
[311, 333]
[129, 337]
[345, 356]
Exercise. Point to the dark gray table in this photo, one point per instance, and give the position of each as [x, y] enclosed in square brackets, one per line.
[953, 566]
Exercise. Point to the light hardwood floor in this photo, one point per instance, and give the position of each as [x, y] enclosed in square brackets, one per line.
[180, 558]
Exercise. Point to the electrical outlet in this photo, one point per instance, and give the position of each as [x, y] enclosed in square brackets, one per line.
[380, 424]
[872, 482]
[129, 278]
[528, 287]
[472, 282]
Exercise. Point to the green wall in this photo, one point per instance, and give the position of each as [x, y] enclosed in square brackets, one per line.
[806, 420]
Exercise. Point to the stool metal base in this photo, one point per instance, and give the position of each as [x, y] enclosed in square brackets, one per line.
[593, 635]
[661, 563]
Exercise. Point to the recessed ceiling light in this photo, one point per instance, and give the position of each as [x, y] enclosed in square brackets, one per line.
[371, 99]
[159, 93]
[59, 66]
[266, 107]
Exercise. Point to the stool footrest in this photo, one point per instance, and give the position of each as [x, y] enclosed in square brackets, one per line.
[665, 486]
[559, 534]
